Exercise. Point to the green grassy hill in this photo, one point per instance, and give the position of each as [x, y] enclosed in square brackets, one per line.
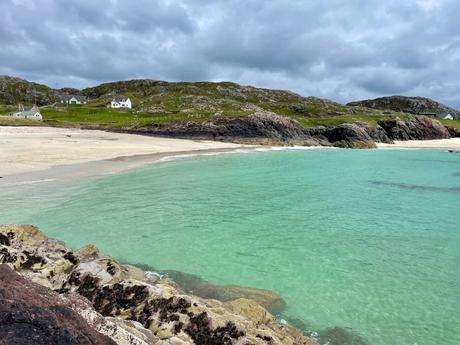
[162, 103]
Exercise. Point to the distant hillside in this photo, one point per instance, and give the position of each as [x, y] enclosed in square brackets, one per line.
[15, 90]
[223, 98]
[187, 99]
[412, 105]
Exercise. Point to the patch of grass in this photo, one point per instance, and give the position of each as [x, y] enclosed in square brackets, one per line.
[337, 120]
[451, 123]
[87, 115]
[10, 121]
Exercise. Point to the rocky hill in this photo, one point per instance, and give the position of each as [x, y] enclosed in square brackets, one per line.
[160, 97]
[15, 90]
[191, 99]
[412, 105]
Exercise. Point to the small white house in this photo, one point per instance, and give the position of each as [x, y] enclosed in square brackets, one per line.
[31, 114]
[447, 117]
[120, 102]
[73, 99]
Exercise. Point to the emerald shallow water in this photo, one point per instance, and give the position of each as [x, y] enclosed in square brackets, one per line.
[366, 240]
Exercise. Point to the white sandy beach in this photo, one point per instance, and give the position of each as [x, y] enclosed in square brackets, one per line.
[32, 149]
[28, 149]
[446, 144]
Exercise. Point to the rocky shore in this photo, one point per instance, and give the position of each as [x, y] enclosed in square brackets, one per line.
[271, 129]
[50, 294]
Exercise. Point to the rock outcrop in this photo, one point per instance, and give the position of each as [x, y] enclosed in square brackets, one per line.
[131, 306]
[411, 105]
[33, 314]
[271, 129]
[261, 127]
[415, 128]
[350, 135]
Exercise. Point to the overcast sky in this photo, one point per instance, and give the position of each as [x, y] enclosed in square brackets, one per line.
[338, 49]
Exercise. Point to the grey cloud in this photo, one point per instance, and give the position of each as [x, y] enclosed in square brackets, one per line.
[339, 49]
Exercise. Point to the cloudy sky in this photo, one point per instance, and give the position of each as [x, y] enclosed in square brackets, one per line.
[338, 49]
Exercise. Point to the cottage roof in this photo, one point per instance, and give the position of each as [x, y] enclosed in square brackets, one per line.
[67, 97]
[120, 99]
[29, 112]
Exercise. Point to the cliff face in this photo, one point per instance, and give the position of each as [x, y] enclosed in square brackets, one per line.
[411, 105]
[89, 298]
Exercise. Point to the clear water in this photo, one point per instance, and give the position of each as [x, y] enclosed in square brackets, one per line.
[367, 240]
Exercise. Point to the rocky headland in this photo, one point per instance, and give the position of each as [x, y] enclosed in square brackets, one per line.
[51, 294]
[268, 128]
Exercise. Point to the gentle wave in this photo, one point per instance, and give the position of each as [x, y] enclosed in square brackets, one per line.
[239, 151]
[22, 183]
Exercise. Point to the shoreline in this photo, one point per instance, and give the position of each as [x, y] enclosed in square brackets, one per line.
[436, 144]
[33, 155]
[46, 152]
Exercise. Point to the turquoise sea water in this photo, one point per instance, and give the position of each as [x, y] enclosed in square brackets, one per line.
[367, 240]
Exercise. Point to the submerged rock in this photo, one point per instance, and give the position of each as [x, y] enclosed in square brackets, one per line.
[340, 336]
[132, 307]
[196, 285]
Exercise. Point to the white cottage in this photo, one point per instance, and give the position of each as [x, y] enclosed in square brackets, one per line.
[120, 102]
[73, 99]
[31, 114]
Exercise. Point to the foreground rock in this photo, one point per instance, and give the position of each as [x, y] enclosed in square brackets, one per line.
[33, 314]
[129, 305]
